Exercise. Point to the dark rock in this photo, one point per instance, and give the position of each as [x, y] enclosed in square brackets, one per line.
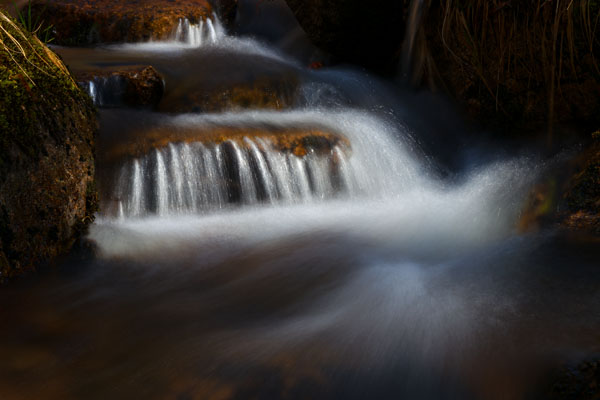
[226, 10]
[367, 34]
[265, 93]
[82, 22]
[583, 195]
[47, 129]
[575, 382]
[133, 86]
[568, 195]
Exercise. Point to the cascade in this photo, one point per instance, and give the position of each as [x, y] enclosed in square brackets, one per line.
[185, 178]
[205, 32]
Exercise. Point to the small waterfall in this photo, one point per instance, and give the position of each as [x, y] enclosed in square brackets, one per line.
[186, 178]
[205, 32]
[106, 91]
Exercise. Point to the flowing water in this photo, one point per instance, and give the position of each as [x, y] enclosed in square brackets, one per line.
[356, 266]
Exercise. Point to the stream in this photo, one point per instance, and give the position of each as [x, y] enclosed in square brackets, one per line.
[368, 262]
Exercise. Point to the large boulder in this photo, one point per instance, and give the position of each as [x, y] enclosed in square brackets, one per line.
[82, 22]
[47, 128]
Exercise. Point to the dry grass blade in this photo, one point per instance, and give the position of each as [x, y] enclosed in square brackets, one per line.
[48, 54]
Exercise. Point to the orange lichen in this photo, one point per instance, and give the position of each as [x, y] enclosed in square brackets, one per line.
[265, 93]
[298, 142]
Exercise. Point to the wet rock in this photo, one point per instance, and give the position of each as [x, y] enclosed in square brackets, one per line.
[568, 195]
[83, 22]
[132, 86]
[265, 93]
[47, 129]
[583, 195]
[226, 10]
[575, 382]
[354, 31]
[298, 142]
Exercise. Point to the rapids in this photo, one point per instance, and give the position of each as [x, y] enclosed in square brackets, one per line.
[231, 268]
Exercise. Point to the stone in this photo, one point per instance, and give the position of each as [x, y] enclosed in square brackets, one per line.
[261, 93]
[298, 142]
[583, 194]
[367, 34]
[567, 195]
[84, 22]
[47, 133]
[132, 86]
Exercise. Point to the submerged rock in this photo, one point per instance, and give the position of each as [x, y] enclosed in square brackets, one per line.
[47, 128]
[265, 93]
[83, 22]
[132, 86]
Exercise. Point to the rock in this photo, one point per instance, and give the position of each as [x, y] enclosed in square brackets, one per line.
[583, 195]
[579, 381]
[295, 141]
[47, 129]
[84, 22]
[367, 34]
[226, 10]
[132, 86]
[262, 93]
[568, 195]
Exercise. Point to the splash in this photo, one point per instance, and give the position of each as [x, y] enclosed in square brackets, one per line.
[197, 176]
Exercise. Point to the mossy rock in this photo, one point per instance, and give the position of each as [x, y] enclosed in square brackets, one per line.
[47, 131]
[83, 22]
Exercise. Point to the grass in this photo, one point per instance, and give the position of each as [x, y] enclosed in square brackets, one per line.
[543, 43]
[34, 24]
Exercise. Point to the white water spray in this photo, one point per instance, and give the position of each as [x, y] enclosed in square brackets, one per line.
[205, 32]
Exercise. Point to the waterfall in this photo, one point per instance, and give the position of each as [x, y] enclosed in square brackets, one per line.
[106, 91]
[205, 32]
[185, 178]
[214, 161]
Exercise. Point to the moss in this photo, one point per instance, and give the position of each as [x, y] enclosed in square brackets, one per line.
[47, 128]
[32, 88]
